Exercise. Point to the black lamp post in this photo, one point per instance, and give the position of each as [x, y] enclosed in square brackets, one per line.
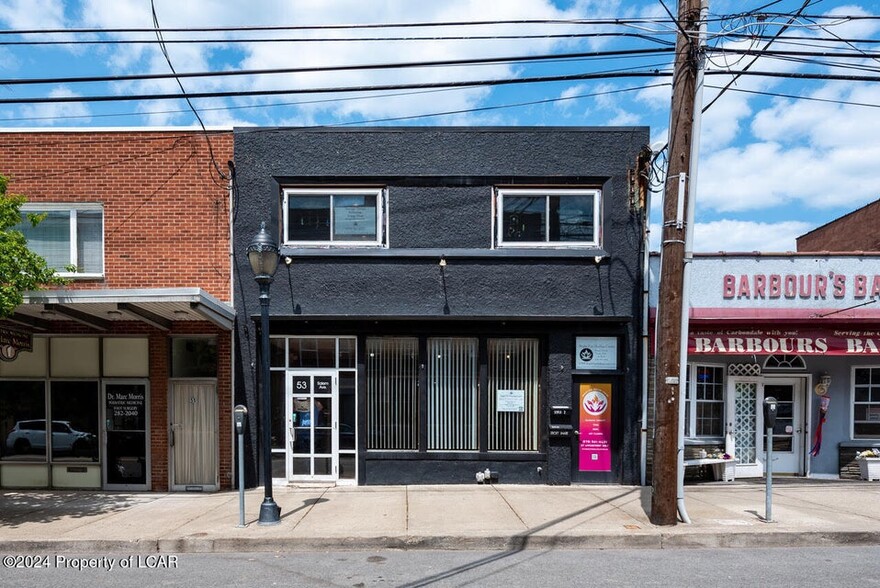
[263, 256]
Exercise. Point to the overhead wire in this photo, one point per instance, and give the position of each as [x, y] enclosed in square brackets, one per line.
[164, 50]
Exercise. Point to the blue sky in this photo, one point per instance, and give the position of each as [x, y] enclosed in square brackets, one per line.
[770, 167]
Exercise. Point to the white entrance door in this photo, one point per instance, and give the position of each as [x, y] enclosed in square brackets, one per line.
[194, 436]
[745, 400]
[788, 431]
[312, 416]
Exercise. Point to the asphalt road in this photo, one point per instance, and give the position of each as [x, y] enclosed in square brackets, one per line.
[802, 567]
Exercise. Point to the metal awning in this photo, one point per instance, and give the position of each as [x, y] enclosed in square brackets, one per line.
[99, 309]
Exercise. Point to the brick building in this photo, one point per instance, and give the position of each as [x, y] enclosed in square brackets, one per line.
[856, 231]
[129, 365]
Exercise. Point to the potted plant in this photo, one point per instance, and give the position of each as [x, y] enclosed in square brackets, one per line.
[869, 464]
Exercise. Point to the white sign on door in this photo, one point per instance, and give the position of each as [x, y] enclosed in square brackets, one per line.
[596, 353]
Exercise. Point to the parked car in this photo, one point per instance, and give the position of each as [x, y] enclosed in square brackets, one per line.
[30, 437]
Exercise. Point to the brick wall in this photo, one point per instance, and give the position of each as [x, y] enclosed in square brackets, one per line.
[856, 231]
[166, 211]
[166, 225]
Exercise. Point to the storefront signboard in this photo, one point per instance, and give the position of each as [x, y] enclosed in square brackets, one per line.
[594, 422]
[12, 341]
[784, 339]
[595, 353]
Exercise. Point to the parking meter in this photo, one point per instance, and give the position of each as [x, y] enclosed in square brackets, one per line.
[769, 423]
[769, 412]
[239, 417]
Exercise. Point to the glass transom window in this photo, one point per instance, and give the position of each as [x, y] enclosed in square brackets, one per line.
[68, 236]
[350, 216]
[548, 217]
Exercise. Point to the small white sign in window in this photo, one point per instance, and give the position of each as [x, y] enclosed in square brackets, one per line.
[511, 400]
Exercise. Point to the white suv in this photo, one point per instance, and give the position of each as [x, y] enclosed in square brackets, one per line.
[30, 437]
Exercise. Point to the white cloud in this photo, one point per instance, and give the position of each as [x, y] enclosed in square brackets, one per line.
[741, 236]
[32, 14]
[43, 114]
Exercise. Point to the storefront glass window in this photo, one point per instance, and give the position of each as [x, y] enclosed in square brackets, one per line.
[866, 403]
[704, 408]
[74, 407]
[392, 393]
[22, 421]
[452, 394]
[513, 394]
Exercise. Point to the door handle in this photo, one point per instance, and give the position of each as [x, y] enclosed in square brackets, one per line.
[577, 432]
[292, 437]
[171, 438]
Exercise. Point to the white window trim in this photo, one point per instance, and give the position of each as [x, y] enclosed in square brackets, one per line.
[381, 220]
[498, 205]
[691, 398]
[72, 208]
[852, 403]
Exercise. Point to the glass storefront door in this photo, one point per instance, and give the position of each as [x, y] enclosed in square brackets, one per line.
[126, 451]
[312, 416]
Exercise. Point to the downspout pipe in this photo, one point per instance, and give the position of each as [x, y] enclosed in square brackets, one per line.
[646, 301]
[689, 250]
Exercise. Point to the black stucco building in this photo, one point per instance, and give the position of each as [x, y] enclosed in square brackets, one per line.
[449, 301]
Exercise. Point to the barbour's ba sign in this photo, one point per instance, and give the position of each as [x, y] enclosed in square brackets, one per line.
[12, 341]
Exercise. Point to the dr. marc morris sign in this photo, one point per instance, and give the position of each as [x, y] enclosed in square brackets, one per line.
[760, 341]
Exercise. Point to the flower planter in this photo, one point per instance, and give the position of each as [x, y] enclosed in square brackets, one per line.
[870, 468]
[725, 471]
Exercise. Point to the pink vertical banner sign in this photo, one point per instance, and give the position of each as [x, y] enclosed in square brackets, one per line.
[594, 451]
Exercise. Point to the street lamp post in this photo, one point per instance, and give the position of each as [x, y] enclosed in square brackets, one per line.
[263, 256]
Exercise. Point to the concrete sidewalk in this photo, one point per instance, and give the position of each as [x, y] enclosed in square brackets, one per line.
[502, 517]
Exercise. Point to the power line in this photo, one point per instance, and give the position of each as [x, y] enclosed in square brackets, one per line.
[352, 26]
[353, 67]
[798, 97]
[336, 39]
[183, 91]
[342, 89]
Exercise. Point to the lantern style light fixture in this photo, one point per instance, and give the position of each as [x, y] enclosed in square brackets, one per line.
[263, 256]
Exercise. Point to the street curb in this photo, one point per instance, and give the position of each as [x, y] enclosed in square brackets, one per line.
[697, 540]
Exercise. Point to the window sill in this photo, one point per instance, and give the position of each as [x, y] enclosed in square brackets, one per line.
[426, 253]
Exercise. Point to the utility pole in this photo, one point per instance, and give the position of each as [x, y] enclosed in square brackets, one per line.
[669, 379]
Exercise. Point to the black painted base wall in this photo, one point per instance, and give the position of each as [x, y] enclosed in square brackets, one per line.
[428, 471]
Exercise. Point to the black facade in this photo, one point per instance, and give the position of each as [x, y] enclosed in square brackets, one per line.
[438, 277]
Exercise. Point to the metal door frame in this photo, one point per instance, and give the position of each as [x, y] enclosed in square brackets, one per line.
[104, 434]
[289, 395]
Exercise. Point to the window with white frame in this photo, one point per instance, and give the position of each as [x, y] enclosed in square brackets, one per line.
[704, 402]
[548, 217]
[866, 402]
[68, 236]
[341, 216]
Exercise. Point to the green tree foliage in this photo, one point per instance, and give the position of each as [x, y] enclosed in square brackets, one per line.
[20, 268]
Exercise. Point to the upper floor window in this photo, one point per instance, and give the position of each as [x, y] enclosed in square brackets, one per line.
[548, 217]
[866, 403]
[344, 216]
[69, 236]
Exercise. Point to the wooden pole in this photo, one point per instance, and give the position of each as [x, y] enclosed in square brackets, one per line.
[669, 382]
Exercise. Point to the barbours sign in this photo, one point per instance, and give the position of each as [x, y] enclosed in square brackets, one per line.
[795, 341]
[806, 286]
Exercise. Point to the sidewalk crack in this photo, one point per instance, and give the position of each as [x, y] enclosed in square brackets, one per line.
[510, 506]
